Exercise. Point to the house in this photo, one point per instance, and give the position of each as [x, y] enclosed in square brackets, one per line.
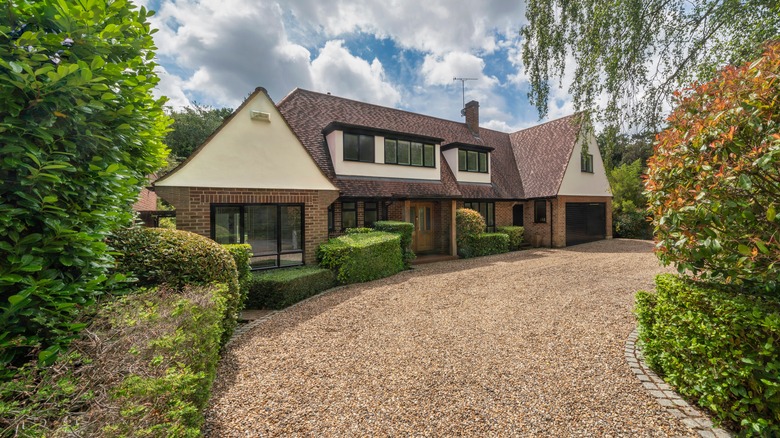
[286, 177]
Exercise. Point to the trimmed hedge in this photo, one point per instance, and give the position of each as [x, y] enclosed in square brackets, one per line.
[405, 230]
[241, 253]
[177, 258]
[280, 288]
[154, 357]
[468, 224]
[717, 346]
[485, 244]
[357, 258]
[515, 236]
[359, 230]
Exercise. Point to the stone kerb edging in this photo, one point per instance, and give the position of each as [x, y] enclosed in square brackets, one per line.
[666, 396]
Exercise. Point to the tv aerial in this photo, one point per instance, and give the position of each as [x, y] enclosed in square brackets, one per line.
[463, 86]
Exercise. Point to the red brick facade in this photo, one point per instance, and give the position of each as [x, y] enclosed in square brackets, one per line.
[193, 209]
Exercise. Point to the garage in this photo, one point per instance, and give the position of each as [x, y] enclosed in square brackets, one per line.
[585, 222]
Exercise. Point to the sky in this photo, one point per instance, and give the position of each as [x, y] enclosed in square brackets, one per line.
[396, 53]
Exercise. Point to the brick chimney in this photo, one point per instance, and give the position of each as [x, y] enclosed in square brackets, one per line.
[472, 116]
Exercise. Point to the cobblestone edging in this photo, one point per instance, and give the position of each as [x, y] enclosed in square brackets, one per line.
[666, 396]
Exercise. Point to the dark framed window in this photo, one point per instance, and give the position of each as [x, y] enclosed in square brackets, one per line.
[359, 147]
[587, 163]
[540, 210]
[409, 153]
[331, 222]
[488, 212]
[472, 161]
[348, 215]
[370, 213]
[274, 231]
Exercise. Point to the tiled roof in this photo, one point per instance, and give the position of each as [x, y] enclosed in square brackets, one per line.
[308, 113]
[147, 201]
[542, 153]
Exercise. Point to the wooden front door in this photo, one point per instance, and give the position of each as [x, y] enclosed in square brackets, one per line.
[421, 215]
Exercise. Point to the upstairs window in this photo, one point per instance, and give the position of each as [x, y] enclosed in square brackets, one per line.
[587, 163]
[359, 147]
[409, 153]
[472, 161]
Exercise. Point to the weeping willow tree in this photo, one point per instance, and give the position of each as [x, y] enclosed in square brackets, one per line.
[626, 57]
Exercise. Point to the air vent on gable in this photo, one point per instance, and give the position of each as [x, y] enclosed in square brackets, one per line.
[259, 115]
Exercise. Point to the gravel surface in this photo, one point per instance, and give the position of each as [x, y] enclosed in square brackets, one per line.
[527, 343]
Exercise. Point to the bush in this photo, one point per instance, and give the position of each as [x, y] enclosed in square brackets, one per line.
[515, 236]
[80, 132]
[146, 370]
[714, 181]
[468, 224]
[718, 347]
[485, 244]
[177, 258]
[405, 230]
[279, 288]
[241, 253]
[632, 224]
[362, 257]
[359, 230]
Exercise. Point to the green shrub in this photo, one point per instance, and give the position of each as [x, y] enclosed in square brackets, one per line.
[146, 370]
[177, 258]
[717, 346]
[241, 253]
[359, 230]
[405, 230]
[485, 244]
[515, 236]
[362, 257]
[632, 224]
[468, 224]
[279, 288]
[80, 132]
[714, 181]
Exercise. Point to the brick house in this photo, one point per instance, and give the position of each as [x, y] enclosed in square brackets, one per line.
[286, 177]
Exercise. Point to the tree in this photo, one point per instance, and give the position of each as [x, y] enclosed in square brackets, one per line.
[192, 126]
[714, 181]
[80, 131]
[620, 149]
[636, 52]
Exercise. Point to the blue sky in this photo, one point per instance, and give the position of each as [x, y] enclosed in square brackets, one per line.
[397, 53]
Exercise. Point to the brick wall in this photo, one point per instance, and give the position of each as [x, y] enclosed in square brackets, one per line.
[537, 234]
[193, 208]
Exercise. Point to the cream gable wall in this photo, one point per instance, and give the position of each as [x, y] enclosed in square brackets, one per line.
[254, 154]
[577, 182]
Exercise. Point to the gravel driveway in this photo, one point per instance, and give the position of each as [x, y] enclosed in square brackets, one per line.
[527, 343]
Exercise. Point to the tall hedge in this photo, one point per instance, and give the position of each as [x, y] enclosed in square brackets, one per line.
[79, 132]
[718, 347]
[515, 234]
[405, 230]
[177, 258]
[468, 224]
[714, 180]
[362, 257]
[241, 253]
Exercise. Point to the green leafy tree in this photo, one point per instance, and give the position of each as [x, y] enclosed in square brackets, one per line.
[623, 48]
[79, 132]
[627, 187]
[714, 181]
[192, 126]
[618, 149]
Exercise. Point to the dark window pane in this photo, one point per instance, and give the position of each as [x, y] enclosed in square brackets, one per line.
[260, 228]
[417, 158]
[390, 152]
[351, 147]
[403, 152]
[330, 218]
[540, 211]
[427, 219]
[291, 259]
[490, 219]
[291, 235]
[462, 160]
[367, 148]
[369, 214]
[472, 161]
[483, 162]
[263, 262]
[227, 223]
[348, 215]
[429, 157]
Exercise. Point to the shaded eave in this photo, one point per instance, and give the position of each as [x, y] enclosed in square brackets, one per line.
[334, 126]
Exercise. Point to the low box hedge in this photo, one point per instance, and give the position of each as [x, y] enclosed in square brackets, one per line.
[717, 346]
[515, 236]
[484, 244]
[280, 288]
[403, 229]
[357, 258]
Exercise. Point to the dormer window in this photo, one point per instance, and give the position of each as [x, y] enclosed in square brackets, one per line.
[472, 161]
[587, 163]
[409, 153]
[359, 147]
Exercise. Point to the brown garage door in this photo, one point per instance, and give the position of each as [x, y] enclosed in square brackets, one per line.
[585, 222]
